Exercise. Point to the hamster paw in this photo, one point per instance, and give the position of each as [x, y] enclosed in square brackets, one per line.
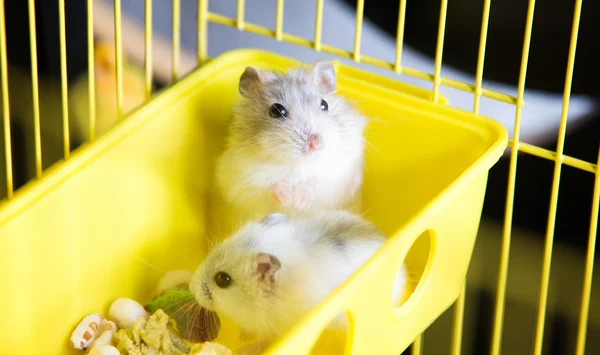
[303, 196]
[283, 193]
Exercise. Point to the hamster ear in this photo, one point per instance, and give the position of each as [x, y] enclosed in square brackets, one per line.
[248, 80]
[273, 219]
[325, 73]
[267, 267]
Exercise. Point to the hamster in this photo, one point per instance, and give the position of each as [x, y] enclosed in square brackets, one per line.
[269, 273]
[293, 144]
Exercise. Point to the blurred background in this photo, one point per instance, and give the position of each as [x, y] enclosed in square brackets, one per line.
[540, 120]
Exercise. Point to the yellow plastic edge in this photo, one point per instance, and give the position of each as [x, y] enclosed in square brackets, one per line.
[87, 153]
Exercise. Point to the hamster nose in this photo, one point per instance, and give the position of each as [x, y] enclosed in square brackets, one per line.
[314, 142]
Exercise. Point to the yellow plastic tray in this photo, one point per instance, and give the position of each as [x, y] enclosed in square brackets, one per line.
[136, 203]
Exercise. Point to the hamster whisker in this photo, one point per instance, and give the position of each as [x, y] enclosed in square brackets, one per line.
[379, 120]
[194, 320]
[265, 153]
[334, 104]
[274, 152]
[373, 147]
[281, 113]
[267, 140]
[211, 243]
[202, 322]
[149, 264]
[177, 306]
[212, 319]
[242, 148]
[180, 304]
[364, 212]
[211, 238]
[185, 308]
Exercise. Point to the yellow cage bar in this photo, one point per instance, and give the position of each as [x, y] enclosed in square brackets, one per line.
[91, 70]
[63, 79]
[539, 334]
[481, 55]
[67, 182]
[176, 35]
[35, 90]
[510, 195]
[119, 59]
[148, 48]
[400, 36]
[5, 106]
[589, 267]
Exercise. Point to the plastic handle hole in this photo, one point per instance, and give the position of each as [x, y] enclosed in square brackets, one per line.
[415, 263]
[336, 337]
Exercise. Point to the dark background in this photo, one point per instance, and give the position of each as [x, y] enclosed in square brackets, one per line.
[546, 71]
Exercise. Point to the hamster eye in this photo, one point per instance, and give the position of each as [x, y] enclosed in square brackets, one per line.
[223, 280]
[278, 111]
[324, 105]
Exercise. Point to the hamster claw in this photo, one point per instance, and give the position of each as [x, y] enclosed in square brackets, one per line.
[283, 193]
[300, 196]
[303, 196]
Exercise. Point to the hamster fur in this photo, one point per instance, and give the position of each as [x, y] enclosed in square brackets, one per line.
[313, 156]
[283, 266]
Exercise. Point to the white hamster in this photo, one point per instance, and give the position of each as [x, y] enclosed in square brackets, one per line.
[267, 275]
[293, 143]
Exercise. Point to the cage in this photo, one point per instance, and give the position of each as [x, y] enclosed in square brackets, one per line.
[112, 187]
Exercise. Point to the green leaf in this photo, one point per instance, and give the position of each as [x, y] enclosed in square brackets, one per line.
[194, 323]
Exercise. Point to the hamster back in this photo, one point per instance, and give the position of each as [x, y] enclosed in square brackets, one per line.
[270, 273]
